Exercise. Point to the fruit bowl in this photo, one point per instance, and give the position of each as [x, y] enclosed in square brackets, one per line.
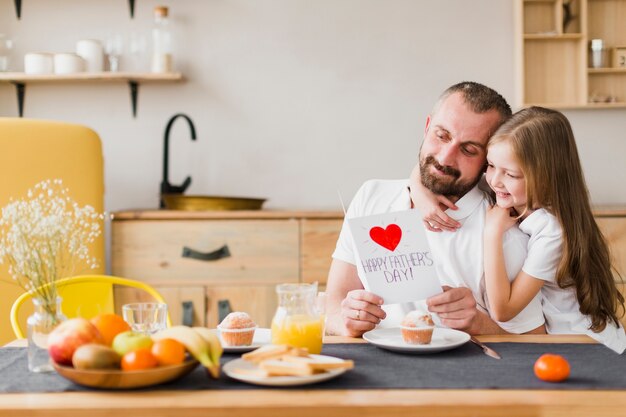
[115, 379]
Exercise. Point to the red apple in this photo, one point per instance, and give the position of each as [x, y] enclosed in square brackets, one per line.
[69, 336]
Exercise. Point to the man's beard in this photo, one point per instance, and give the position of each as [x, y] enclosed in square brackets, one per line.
[448, 185]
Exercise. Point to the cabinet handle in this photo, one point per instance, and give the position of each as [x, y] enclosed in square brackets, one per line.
[220, 253]
[188, 313]
[223, 309]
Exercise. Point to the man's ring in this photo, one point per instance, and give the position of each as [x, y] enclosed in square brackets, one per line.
[358, 314]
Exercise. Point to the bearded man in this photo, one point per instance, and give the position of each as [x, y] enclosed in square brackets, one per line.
[452, 159]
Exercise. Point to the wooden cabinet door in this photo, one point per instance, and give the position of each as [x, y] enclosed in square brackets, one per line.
[259, 301]
[259, 251]
[182, 302]
[614, 230]
[318, 239]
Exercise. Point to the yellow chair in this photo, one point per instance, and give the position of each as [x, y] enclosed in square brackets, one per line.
[35, 150]
[79, 280]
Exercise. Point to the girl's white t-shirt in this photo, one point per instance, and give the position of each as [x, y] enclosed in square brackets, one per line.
[560, 305]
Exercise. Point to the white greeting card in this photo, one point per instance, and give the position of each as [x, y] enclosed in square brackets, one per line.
[394, 259]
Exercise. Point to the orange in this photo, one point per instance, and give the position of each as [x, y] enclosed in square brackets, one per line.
[139, 359]
[552, 368]
[110, 325]
[168, 352]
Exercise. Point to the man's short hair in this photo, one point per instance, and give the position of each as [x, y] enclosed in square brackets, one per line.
[479, 98]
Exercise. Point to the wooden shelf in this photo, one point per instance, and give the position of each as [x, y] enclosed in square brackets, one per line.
[89, 76]
[553, 50]
[18, 8]
[593, 71]
[578, 106]
[553, 37]
[20, 79]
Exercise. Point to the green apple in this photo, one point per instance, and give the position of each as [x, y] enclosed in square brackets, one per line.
[129, 341]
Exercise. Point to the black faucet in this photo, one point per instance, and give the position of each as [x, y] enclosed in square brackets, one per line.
[166, 187]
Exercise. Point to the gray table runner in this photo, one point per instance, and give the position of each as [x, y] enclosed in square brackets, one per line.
[593, 367]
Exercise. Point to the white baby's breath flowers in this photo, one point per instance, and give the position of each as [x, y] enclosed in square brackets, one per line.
[44, 237]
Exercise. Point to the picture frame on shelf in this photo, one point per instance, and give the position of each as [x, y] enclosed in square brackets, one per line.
[619, 56]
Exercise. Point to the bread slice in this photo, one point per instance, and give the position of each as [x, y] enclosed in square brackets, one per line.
[275, 367]
[266, 352]
[319, 364]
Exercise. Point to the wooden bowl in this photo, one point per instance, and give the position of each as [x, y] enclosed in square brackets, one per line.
[114, 379]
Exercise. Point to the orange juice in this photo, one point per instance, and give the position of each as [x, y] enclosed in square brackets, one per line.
[299, 330]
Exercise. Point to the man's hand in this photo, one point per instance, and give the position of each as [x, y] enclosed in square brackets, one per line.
[456, 307]
[361, 312]
[350, 310]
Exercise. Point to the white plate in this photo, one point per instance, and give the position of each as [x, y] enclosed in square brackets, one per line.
[231, 367]
[261, 337]
[391, 339]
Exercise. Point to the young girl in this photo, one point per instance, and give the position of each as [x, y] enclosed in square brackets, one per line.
[535, 172]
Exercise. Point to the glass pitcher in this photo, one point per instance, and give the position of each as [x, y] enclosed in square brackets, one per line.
[299, 320]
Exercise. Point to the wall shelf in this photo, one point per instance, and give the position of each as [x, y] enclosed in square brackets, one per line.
[18, 8]
[20, 79]
[552, 41]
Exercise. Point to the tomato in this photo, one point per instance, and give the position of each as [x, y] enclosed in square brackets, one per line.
[552, 368]
[139, 359]
[168, 352]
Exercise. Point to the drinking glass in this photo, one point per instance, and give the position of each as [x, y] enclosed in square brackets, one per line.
[136, 58]
[6, 45]
[147, 318]
[113, 47]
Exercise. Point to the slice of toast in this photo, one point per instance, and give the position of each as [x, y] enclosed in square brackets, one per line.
[275, 367]
[265, 352]
[319, 364]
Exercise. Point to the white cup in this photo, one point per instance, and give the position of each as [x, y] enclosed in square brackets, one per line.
[92, 52]
[68, 63]
[38, 63]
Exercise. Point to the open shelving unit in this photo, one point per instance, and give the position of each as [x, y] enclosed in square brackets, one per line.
[553, 42]
[20, 79]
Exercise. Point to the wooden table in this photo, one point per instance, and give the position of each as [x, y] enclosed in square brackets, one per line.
[328, 403]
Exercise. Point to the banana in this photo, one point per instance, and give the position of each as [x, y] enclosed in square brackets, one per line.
[215, 347]
[194, 343]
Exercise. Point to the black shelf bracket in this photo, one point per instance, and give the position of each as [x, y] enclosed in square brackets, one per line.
[134, 90]
[18, 8]
[20, 89]
[131, 5]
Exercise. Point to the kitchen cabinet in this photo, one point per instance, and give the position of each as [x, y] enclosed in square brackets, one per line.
[253, 251]
[20, 79]
[266, 248]
[552, 43]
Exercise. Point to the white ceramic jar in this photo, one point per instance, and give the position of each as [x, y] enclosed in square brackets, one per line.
[38, 63]
[68, 63]
[92, 52]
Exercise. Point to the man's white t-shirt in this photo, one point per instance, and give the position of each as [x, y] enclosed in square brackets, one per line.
[560, 305]
[458, 255]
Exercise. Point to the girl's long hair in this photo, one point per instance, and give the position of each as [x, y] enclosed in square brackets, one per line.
[544, 145]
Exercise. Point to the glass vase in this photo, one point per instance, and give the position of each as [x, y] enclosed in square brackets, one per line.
[46, 317]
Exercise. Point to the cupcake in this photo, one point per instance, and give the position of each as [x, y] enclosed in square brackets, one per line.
[237, 329]
[417, 327]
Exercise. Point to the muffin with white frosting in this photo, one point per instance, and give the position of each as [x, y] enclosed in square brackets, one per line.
[237, 329]
[417, 327]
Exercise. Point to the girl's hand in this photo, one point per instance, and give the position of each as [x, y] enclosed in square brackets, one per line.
[432, 206]
[498, 220]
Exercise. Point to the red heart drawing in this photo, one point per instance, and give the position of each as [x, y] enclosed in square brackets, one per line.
[387, 238]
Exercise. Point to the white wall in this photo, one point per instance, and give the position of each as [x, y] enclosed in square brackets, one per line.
[292, 99]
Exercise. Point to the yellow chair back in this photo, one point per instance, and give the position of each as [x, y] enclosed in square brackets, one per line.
[79, 282]
[35, 150]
